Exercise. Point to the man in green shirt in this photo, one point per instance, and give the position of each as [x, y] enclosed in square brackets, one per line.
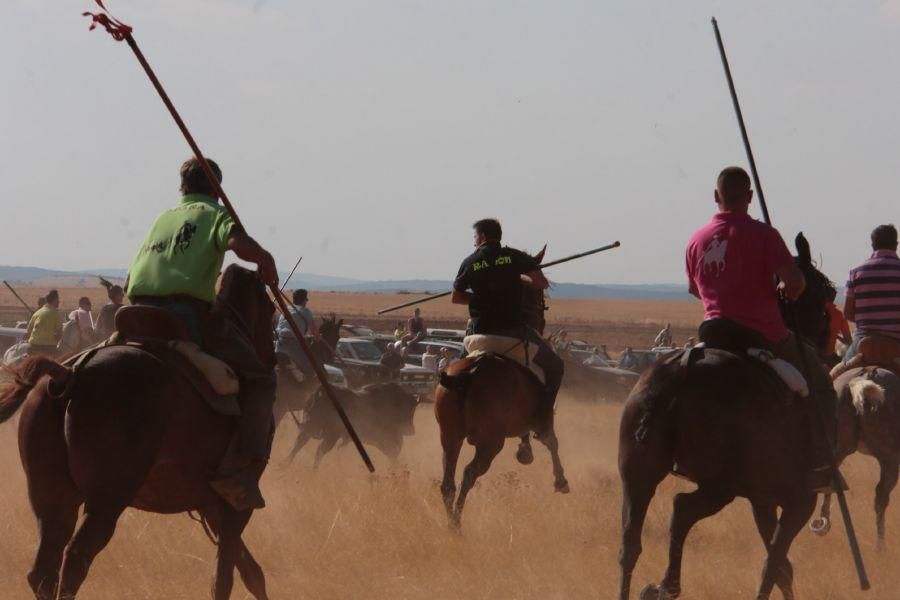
[45, 327]
[176, 269]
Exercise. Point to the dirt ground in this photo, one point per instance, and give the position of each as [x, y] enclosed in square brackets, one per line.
[340, 533]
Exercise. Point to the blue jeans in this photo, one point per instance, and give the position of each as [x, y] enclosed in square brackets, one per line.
[851, 351]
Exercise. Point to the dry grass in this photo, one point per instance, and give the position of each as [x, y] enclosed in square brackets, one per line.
[339, 533]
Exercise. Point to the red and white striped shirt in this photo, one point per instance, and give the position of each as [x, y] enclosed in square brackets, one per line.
[875, 288]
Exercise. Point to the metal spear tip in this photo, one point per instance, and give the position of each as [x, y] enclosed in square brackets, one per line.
[714, 21]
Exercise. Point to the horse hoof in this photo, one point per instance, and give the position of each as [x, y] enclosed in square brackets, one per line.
[820, 526]
[562, 487]
[524, 455]
[650, 592]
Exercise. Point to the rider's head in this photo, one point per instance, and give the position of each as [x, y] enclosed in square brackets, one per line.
[116, 294]
[301, 297]
[733, 191]
[195, 181]
[85, 303]
[53, 298]
[884, 237]
[487, 230]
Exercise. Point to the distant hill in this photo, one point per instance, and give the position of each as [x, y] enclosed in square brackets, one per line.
[312, 281]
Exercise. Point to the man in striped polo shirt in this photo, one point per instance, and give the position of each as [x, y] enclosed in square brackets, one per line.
[873, 290]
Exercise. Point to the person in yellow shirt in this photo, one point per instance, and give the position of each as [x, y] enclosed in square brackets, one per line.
[45, 327]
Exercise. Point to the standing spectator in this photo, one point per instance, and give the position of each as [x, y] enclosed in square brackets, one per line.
[430, 359]
[416, 327]
[106, 318]
[84, 320]
[664, 337]
[873, 290]
[447, 359]
[286, 343]
[45, 327]
[627, 360]
[562, 342]
[392, 359]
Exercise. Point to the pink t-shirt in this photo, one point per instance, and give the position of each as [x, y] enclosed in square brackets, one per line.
[732, 263]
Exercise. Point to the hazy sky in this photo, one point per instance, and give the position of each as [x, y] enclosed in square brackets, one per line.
[368, 135]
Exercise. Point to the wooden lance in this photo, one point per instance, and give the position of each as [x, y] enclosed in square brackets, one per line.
[119, 32]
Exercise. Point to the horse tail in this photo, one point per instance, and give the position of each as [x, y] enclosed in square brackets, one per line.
[866, 395]
[26, 377]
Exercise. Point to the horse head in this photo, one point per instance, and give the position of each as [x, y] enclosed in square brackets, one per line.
[242, 295]
[808, 315]
[534, 304]
[330, 331]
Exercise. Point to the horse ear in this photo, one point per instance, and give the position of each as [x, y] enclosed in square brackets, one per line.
[803, 252]
[539, 257]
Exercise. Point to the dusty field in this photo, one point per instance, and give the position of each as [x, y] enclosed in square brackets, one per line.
[339, 533]
[616, 323]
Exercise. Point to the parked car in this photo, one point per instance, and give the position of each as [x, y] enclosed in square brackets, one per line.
[450, 335]
[414, 356]
[608, 369]
[9, 337]
[381, 339]
[360, 360]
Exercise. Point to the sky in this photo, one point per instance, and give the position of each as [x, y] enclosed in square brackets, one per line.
[368, 136]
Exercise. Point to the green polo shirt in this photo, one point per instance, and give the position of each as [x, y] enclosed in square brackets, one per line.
[183, 252]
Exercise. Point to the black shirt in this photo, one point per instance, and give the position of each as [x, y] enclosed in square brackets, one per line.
[492, 273]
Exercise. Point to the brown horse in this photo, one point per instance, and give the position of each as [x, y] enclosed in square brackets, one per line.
[868, 422]
[736, 430]
[490, 399]
[126, 431]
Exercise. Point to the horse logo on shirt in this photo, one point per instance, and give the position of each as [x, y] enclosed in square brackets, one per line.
[184, 236]
[714, 256]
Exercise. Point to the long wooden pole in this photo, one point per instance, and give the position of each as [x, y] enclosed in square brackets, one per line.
[119, 31]
[835, 474]
[18, 297]
[543, 266]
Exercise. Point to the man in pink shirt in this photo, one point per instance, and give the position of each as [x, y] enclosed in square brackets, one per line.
[738, 267]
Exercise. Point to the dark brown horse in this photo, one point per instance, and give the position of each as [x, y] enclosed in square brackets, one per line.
[493, 401]
[736, 430]
[868, 422]
[293, 396]
[126, 431]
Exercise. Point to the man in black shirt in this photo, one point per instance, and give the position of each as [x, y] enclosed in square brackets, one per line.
[497, 276]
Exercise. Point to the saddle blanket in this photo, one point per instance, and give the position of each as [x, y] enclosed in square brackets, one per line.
[509, 347]
[788, 373]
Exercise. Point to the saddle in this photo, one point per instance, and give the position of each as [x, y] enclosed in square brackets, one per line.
[788, 373]
[873, 351]
[510, 348]
[161, 334]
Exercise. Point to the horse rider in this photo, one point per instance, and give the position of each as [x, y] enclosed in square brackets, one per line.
[732, 265]
[45, 327]
[176, 269]
[286, 342]
[496, 276]
[873, 291]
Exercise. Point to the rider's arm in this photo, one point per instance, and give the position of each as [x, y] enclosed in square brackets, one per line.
[792, 283]
[692, 289]
[460, 297]
[248, 249]
[535, 279]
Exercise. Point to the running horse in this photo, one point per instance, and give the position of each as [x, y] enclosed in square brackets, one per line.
[124, 430]
[484, 400]
[735, 429]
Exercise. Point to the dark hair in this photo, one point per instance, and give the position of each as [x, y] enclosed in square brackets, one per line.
[114, 290]
[83, 300]
[733, 184]
[195, 181]
[300, 296]
[52, 295]
[489, 228]
[884, 237]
